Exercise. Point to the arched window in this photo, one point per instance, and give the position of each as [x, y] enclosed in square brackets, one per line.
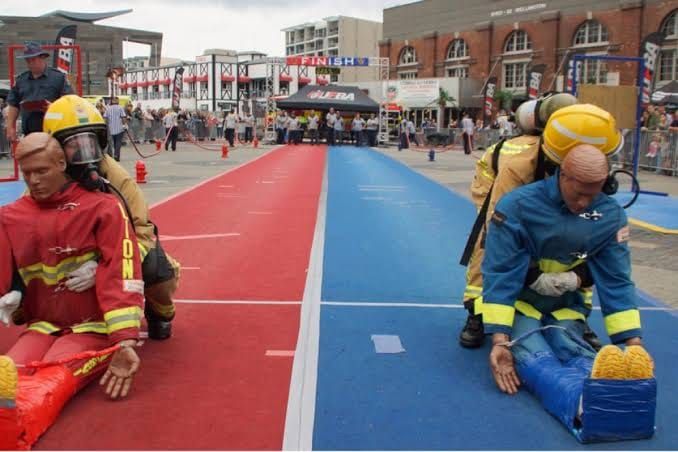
[518, 41]
[668, 57]
[590, 33]
[670, 26]
[408, 56]
[457, 50]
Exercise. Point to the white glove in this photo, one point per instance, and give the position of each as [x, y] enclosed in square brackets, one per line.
[8, 304]
[83, 278]
[555, 284]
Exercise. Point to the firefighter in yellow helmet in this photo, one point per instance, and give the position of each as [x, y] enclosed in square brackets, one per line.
[82, 132]
[552, 126]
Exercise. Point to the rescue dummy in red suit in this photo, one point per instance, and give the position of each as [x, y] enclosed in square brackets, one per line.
[45, 237]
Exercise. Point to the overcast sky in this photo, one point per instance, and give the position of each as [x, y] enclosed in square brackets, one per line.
[191, 26]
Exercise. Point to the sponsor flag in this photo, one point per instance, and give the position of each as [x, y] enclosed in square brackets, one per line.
[535, 77]
[571, 70]
[63, 58]
[489, 104]
[649, 52]
[176, 87]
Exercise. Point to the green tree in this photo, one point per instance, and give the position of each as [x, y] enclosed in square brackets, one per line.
[443, 101]
[503, 98]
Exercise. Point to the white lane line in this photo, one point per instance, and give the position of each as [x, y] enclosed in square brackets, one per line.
[199, 236]
[254, 212]
[226, 186]
[252, 302]
[300, 416]
[285, 353]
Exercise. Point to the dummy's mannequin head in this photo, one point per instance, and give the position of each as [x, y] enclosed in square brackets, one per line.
[43, 164]
[582, 176]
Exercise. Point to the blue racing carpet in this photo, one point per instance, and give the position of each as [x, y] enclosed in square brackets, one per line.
[392, 244]
[657, 213]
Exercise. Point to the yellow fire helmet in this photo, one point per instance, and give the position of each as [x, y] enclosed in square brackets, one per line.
[580, 124]
[72, 115]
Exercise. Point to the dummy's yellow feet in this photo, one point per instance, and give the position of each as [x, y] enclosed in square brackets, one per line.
[639, 364]
[8, 382]
[609, 364]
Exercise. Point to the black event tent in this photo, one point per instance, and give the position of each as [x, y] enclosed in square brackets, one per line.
[317, 97]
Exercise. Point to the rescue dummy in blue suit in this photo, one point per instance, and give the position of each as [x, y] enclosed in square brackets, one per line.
[556, 224]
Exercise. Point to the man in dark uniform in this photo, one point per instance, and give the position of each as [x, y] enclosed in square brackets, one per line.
[33, 91]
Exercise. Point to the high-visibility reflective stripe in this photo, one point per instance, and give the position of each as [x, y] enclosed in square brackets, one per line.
[163, 310]
[568, 314]
[90, 327]
[51, 275]
[119, 319]
[472, 292]
[553, 266]
[575, 136]
[587, 295]
[142, 251]
[622, 321]
[498, 314]
[478, 305]
[528, 310]
[43, 327]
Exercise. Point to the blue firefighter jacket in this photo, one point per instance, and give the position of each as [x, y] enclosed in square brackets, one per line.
[532, 224]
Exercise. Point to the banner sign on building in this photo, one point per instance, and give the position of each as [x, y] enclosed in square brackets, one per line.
[322, 70]
[649, 51]
[327, 61]
[488, 106]
[570, 72]
[176, 87]
[535, 77]
[63, 59]
[415, 93]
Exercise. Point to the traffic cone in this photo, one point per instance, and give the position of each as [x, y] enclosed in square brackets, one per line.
[255, 142]
[224, 151]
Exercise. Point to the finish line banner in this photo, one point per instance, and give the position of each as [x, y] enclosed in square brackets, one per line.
[327, 61]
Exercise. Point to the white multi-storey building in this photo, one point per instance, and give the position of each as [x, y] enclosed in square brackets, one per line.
[337, 36]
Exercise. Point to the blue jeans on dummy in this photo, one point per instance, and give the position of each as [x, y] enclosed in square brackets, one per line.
[553, 363]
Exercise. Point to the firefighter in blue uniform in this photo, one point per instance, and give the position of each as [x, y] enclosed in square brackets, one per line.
[559, 223]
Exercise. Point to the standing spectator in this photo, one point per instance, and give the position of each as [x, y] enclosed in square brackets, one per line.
[313, 121]
[229, 127]
[468, 127]
[137, 123]
[212, 126]
[249, 127]
[293, 129]
[169, 121]
[357, 126]
[403, 137]
[281, 126]
[338, 135]
[148, 125]
[33, 91]
[330, 119]
[505, 127]
[220, 125]
[116, 119]
[372, 129]
[412, 132]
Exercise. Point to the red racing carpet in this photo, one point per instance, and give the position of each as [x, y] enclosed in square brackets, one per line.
[222, 380]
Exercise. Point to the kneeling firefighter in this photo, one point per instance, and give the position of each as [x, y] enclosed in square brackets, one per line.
[75, 123]
[519, 161]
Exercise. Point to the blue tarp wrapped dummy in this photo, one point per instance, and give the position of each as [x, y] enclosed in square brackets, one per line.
[593, 410]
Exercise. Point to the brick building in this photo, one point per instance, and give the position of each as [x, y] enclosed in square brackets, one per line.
[503, 38]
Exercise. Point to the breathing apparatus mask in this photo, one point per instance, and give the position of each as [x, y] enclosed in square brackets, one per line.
[83, 154]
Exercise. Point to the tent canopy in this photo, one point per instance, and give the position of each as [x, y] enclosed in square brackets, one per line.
[342, 98]
[668, 94]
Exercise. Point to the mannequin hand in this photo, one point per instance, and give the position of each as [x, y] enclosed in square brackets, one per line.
[8, 304]
[83, 277]
[555, 284]
[121, 371]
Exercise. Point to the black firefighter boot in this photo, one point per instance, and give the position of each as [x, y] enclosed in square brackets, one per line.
[473, 334]
[591, 338]
[158, 328]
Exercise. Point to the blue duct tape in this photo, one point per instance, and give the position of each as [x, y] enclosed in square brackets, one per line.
[616, 410]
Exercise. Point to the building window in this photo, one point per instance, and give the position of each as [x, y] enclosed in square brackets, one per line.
[518, 41]
[593, 72]
[458, 71]
[670, 26]
[515, 75]
[407, 75]
[408, 56]
[668, 65]
[590, 33]
[457, 50]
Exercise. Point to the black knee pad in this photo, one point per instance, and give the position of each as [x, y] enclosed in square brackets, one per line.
[156, 268]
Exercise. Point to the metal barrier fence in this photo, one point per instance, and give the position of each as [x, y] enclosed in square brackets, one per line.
[658, 152]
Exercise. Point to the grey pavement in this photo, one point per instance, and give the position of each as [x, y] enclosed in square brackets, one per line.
[654, 255]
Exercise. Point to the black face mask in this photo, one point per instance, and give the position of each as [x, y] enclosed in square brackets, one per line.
[86, 175]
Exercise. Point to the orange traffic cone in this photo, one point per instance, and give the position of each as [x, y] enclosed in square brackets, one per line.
[224, 151]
